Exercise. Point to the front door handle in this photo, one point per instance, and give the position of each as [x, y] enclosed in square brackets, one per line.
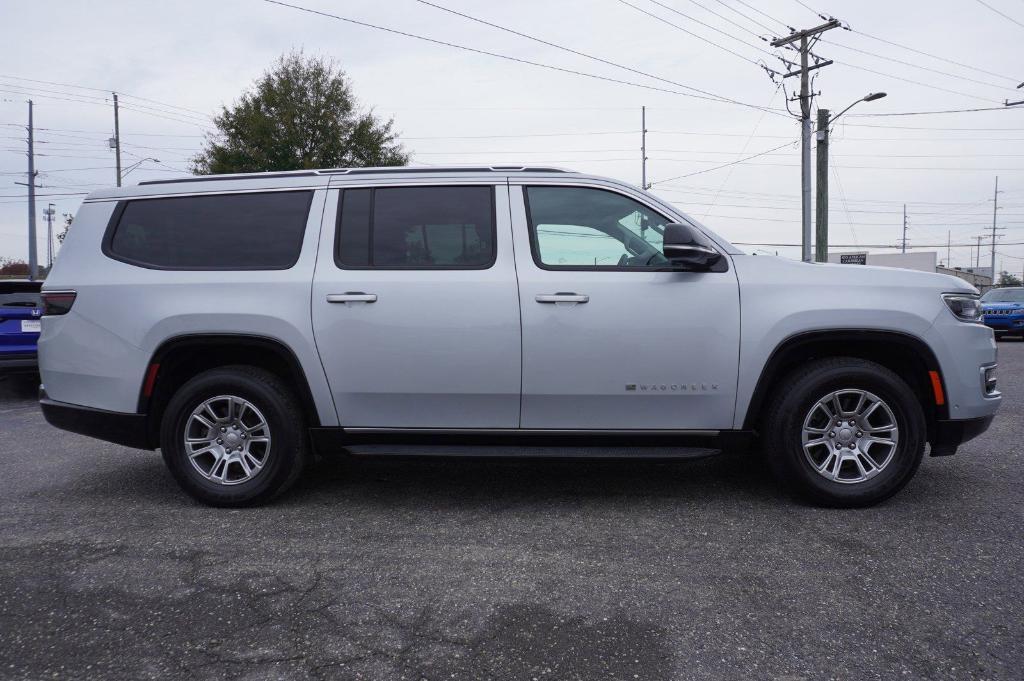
[352, 297]
[561, 297]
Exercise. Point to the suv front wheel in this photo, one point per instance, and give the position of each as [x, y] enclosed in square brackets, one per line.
[845, 432]
[234, 436]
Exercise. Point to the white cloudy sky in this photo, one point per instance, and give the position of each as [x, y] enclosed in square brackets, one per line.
[454, 106]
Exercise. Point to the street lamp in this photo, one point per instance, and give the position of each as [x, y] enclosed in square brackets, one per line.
[137, 164]
[824, 123]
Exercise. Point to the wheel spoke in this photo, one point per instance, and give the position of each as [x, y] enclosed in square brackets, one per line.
[837, 465]
[209, 449]
[866, 470]
[860, 403]
[815, 443]
[203, 420]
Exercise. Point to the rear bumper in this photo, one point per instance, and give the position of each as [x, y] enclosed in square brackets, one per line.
[18, 361]
[950, 434]
[130, 430]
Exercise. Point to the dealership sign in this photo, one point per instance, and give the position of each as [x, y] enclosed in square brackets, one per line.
[853, 259]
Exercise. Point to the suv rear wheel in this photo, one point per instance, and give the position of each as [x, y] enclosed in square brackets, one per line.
[845, 432]
[234, 436]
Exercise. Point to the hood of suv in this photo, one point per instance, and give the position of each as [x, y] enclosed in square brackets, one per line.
[785, 271]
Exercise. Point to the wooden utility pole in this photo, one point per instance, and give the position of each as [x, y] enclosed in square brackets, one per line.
[821, 209]
[903, 248]
[117, 141]
[643, 148]
[806, 39]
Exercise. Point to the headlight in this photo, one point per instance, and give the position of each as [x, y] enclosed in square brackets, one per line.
[964, 306]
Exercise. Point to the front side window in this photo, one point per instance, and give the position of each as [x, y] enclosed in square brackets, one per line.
[416, 228]
[215, 232]
[581, 227]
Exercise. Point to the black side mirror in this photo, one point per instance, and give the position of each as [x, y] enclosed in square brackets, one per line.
[688, 250]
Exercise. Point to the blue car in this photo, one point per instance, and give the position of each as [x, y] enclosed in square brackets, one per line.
[1003, 309]
[20, 312]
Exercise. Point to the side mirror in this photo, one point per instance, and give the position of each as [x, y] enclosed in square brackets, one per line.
[687, 250]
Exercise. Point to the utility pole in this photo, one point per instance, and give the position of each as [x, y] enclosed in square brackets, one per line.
[949, 246]
[903, 248]
[977, 254]
[805, 39]
[995, 208]
[643, 149]
[33, 263]
[49, 213]
[116, 141]
[821, 209]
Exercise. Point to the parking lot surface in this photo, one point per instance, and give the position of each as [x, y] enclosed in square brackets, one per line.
[522, 570]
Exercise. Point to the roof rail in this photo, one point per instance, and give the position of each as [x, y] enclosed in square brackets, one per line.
[362, 171]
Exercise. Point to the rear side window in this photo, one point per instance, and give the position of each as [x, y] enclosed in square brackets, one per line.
[416, 228]
[260, 231]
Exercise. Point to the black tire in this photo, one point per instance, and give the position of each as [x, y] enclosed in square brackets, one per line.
[285, 458]
[793, 400]
[1000, 335]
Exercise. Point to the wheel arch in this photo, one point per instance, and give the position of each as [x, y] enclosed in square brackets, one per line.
[179, 358]
[905, 354]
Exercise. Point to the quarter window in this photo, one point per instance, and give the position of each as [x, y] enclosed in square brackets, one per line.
[581, 227]
[417, 228]
[216, 232]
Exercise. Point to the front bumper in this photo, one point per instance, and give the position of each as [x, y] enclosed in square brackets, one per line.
[130, 430]
[950, 434]
[1005, 322]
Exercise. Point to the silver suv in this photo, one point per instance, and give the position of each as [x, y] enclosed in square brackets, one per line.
[240, 323]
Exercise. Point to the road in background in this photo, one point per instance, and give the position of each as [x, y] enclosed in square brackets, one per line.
[485, 569]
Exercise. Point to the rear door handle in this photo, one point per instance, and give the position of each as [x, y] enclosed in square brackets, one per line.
[561, 297]
[352, 297]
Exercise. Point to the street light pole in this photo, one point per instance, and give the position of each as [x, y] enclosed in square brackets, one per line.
[821, 212]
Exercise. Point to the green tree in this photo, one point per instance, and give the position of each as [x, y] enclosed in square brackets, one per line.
[300, 114]
[1007, 279]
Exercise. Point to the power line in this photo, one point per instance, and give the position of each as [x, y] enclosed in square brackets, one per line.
[916, 66]
[706, 95]
[105, 90]
[934, 56]
[689, 32]
[767, 16]
[753, 21]
[560, 47]
[916, 82]
[725, 19]
[1002, 14]
[726, 165]
[925, 113]
[706, 25]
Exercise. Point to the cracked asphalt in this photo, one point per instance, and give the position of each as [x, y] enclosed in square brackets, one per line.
[506, 570]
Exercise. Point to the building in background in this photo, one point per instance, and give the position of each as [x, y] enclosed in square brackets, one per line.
[923, 261]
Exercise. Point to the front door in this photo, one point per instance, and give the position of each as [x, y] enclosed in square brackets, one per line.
[415, 307]
[610, 342]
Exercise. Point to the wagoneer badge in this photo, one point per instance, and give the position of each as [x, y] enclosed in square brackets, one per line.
[671, 387]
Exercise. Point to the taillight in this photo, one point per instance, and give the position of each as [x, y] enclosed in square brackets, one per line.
[57, 302]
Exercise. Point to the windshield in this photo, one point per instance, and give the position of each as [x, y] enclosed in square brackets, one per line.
[1004, 295]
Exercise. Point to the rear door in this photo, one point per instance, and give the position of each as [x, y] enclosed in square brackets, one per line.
[415, 306]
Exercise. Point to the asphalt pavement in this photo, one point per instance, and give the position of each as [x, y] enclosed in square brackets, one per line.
[507, 570]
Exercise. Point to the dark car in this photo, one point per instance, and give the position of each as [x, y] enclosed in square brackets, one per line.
[1003, 310]
[20, 312]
